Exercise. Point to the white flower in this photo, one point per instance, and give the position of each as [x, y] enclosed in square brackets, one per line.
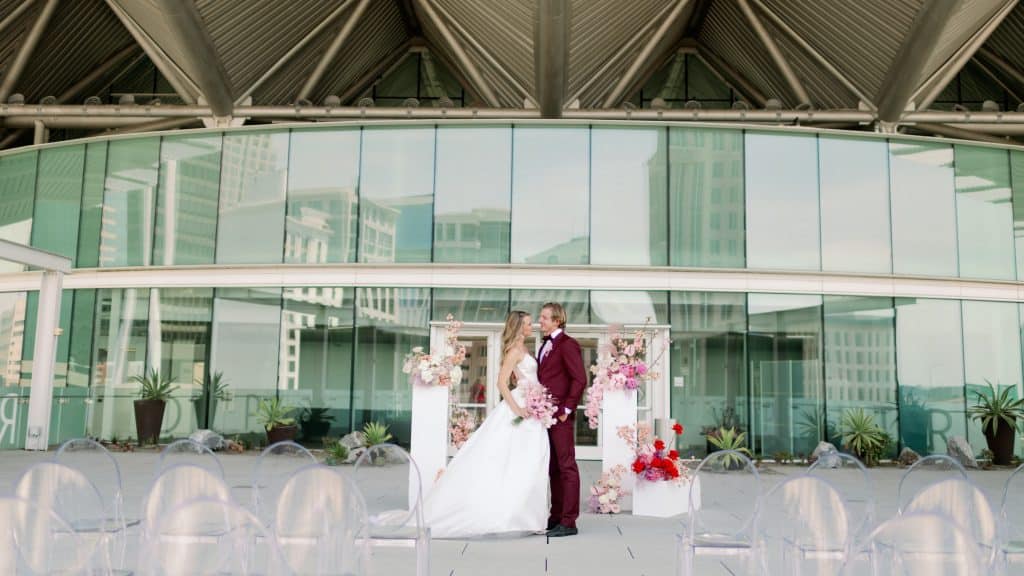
[456, 375]
[603, 498]
[417, 350]
[612, 494]
[427, 376]
[424, 365]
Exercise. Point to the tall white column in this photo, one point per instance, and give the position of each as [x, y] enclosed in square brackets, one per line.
[43, 359]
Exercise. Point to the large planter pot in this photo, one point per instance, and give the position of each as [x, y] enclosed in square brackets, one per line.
[206, 412]
[281, 433]
[1000, 443]
[149, 417]
[664, 498]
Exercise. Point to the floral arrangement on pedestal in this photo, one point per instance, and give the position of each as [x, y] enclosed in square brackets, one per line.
[606, 492]
[435, 369]
[461, 424]
[539, 405]
[653, 462]
[620, 366]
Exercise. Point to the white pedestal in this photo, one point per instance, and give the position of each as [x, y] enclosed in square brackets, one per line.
[663, 499]
[429, 441]
[618, 409]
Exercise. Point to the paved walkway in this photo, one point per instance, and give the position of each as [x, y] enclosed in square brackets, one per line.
[618, 544]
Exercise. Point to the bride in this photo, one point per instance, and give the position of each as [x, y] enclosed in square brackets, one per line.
[498, 481]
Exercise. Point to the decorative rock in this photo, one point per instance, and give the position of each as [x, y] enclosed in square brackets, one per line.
[353, 440]
[907, 457]
[354, 454]
[208, 438]
[826, 452]
[958, 448]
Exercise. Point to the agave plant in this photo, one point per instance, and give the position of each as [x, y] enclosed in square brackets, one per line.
[273, 413]
[993, 408]
[730, 439]
[216, 386]
[862, 436]
[376, 433]
[155, 386]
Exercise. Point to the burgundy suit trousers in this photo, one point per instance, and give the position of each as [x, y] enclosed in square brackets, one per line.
[565, 476]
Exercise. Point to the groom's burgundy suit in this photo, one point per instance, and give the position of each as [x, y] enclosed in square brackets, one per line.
[561, 372]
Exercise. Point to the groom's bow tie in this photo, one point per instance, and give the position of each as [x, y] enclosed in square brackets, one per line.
[546, 338]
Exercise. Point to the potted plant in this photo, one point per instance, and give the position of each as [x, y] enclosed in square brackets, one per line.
[998, 414]
[149, 408]
[730, 439]
[375, 434]
[213, 388]
[862, 437]
[726, 420]
[273, 414]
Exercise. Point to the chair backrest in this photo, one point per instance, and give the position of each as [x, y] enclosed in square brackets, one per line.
[806, 511]
[925, 472]
[187, 451]
[178, 484]
[963, 502]
[34, 540]
[211, 536]
[729, 488]
[1011, 508]
[333, 540]
[850, 478]
[918, 544]
[99, 465]
[64, 490]
[274, 466]
[390, 483]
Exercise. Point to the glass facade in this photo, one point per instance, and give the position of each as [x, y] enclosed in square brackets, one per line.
[783, 367]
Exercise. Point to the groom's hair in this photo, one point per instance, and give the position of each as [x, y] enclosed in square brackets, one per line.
[557, 313]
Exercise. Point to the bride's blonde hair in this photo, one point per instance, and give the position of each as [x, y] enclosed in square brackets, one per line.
[513, 332]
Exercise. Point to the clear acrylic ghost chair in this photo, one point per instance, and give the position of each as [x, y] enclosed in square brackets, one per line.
[34, 540]
[333, 539]
[207, 537]
[850, 478]
[75, 499]
[186, 451]
[721, 529]
[965, 503]
[178, 484]
[390, 483]
[1011, 524]
[804, 527]
[274, 466]
[99, 465]
[925, 472]
[917, 544]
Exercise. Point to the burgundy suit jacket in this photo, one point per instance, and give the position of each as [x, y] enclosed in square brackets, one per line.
[562, 373]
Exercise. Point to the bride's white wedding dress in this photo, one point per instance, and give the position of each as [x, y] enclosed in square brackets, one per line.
[498, 481]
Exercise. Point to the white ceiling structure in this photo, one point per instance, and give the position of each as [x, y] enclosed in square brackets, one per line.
[865, 65]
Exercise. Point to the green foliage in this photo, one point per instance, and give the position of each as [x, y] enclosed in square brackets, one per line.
[335, 452]
[155, 386]
[216, 385]
[273, 413]
[782, 457]
[376, 433]
[863, 437]
[730, 439]
[993, 408]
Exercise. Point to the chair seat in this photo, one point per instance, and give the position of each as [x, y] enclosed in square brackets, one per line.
[720, 542]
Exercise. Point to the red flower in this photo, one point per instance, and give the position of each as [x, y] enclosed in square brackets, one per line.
[659, 445]
[677, 428]
[673, 454]
[638, 466]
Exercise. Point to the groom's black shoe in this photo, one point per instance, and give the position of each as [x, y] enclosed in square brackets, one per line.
[562, 530]
[552, 524]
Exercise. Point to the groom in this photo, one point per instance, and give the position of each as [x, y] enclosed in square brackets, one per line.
[561, 372]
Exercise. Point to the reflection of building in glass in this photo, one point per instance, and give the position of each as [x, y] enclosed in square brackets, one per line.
[860, 360]
[321, 223]
[377, 234]
[575, 251]
[187, 207]
[12, 338]
[461, 236]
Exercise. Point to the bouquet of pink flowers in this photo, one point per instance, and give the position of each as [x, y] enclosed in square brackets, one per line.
[539, 404]
[605, 494]
[437, 369]
[462, 424]
[620, 366]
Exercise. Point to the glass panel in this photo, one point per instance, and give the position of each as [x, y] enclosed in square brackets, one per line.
[860, 363]
[92, 205]
[782, 201]
[930, 370]
[785, 373]
[984, 213]
[254, 173]
[706, 197]
[584, 435]
[628, 219]
[395, 218]
[323, 196]
[128, 202]
[470, 305]
[245, 343]
[389, 323]
[186, 210]
[923, 209]
[702, 83]
[854, 205]
[575, 302]
[118, 354]
[182, 317]
[1017, 177]
[316, 358]
[991, 356]
[472, 201]
[80, 334]
[60, 368]
[628, 307]
[59, 200]
[708, 366]
[17, 190]
[550, 214]
[13, 397]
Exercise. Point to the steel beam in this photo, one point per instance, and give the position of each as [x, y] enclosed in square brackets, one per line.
[1001, 63]
[995, 78]
[195, 43]
[773, 50]
[13, 72]
[332, 50]
[961, 133]
[380, 70]
[551, 55]
[731, 76]
[647, 53]
[461, 58]
[14, 15]
[918, 46]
